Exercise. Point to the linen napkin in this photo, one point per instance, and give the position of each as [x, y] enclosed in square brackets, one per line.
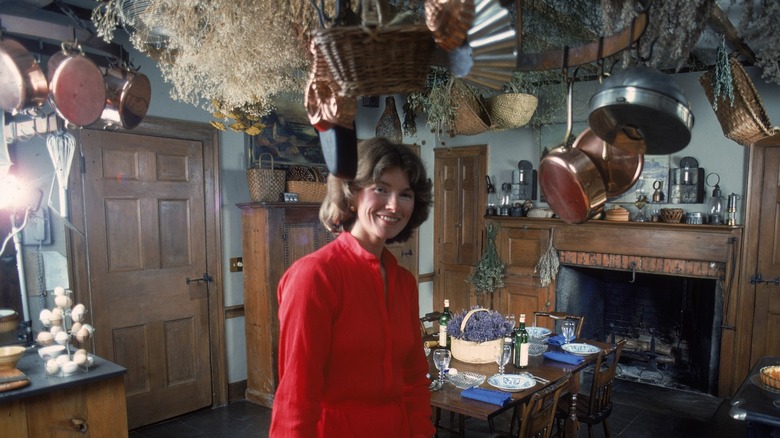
[563, 357]
[487, 395]
[557, 340]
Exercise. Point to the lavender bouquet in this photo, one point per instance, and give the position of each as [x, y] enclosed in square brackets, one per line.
[480, 327]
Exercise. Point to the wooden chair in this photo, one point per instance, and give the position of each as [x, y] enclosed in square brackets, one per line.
[595, 407]
[561, 316]
[538, 415]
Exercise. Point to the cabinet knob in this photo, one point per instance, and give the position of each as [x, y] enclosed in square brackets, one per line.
[79, 425]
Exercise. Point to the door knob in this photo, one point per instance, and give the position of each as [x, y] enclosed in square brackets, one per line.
[206, 278]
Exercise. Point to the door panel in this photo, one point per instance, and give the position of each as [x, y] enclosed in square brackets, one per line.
[146, 227]
[766, 323]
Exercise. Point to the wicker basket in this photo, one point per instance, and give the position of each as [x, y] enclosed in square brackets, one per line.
[510, 110]
[307, 183]
[470, 351]
[746, 121]
[265, 185]
[471, 116]
[373, 59]
[672, 215]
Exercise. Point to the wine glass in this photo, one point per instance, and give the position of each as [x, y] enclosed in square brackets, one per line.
[441, 358]
[567, 330]
[501, 353]
[512, 320]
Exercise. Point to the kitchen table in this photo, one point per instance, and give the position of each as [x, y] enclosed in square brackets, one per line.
[449, 398]
[756, 403]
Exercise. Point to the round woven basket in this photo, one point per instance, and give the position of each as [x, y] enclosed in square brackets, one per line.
[672, 215]
[510, 110]
[470, 351]
[471, 116]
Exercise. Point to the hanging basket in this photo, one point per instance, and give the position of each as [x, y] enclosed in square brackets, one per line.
[510, 110]
[265, 185]
[470, 351]
[746, 121]
[373, 59]
[471, 116]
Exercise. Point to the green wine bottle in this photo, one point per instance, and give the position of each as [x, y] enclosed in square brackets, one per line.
[521, 345]
[444, 319]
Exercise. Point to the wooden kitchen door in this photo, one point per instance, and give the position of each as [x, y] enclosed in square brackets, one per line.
[146, 240]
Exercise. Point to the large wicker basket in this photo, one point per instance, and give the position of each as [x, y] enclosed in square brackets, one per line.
[471, 116]
[308, 185]
[265, 185]
[746, 120]
[470, 351]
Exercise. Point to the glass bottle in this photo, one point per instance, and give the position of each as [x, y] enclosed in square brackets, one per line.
[521, 345]
[506, 195]
[492, 201]
[444, 338]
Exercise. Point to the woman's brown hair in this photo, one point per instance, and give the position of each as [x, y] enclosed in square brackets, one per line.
[375, 156]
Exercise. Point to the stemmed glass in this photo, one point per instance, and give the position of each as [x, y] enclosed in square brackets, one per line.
[441, 358]
[501, 353]
[567, 330]
[512, 320]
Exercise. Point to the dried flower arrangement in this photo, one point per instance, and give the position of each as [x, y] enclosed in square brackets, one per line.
[762, 24]
[435, 102]
[488, 274]
[480, 327]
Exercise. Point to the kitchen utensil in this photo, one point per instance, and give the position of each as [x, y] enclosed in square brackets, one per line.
[76, 85]
[570, 181]
[643, 111]
[619, 169]
[61, 146]
[23, 84]
[128, 94]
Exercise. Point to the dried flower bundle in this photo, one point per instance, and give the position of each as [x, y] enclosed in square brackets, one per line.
[488, 274]
[480, 327]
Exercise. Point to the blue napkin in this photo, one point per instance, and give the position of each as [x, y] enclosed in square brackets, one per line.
[557, 340]
[487, 395]
[563, 357]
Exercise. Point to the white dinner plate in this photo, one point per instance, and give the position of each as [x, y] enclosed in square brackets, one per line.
[511, 382]
[580, 349]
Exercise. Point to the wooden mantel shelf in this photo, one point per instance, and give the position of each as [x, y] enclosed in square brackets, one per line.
[653, 247]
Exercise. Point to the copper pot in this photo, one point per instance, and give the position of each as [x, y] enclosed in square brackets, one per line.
[570, 181]
[619, 169]
[128, 94]
[23, 85]
[77, 90]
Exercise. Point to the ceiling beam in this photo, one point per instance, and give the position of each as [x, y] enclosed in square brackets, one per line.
[723, 24]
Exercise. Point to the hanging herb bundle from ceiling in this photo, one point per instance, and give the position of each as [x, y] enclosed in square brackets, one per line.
[723, 88]
[548, 264]
[488, 274]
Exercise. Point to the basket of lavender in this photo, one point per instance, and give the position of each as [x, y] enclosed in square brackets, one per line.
[475, 333]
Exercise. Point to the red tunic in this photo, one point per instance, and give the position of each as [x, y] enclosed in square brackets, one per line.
[350, 363]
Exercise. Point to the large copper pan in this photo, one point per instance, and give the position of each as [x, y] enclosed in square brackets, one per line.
[77, 89]
[127, 97]
[571, 183]
[619, 169]
[22, 82]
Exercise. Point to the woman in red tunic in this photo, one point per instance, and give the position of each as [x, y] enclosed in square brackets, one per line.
[351, 361]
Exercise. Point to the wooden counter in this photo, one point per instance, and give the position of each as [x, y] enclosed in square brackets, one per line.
[85, 404]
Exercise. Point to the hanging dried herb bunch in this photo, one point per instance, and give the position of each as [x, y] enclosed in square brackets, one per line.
[723, 88]
[488, 274]
[548, 264]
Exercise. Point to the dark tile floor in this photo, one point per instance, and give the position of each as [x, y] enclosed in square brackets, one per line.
[639, 411]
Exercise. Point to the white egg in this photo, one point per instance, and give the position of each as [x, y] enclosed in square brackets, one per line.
[58, 291]
[89, 328]
[69, 367]
[45, 338]
[77, 314]
[83, 334]
[80, 358]
[61, 359]
[62, 338]
[75, 327]
[45, 317]
[56, 316]
[63, 301]
[55, 329]
[52, 367]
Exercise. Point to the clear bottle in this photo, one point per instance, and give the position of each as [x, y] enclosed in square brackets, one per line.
[506, 196]
[521, 345]
[492, 201]
[444, 338]
[715, 207]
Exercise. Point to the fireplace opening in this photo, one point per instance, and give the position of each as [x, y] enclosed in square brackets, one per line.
[671, 324]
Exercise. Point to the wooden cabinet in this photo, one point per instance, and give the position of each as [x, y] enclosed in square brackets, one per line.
[274, 236]
[458, 222]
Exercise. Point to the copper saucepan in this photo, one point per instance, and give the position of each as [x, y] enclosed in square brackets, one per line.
[570, 181]
[619, 169]
[77, 89]
[22, 82]
[128, 94]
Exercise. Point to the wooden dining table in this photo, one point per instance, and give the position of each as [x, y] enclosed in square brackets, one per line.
[449, 397]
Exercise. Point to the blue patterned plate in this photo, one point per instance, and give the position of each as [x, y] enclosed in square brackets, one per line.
[537, 332]
[511, 382]
[579, 349]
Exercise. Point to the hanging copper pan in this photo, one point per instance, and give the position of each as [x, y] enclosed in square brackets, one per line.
[22, 82]
[619, 169]
[570, 181]
[127, 97]
[76, 87]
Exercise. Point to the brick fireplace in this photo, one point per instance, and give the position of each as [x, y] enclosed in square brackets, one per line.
[668, 289]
